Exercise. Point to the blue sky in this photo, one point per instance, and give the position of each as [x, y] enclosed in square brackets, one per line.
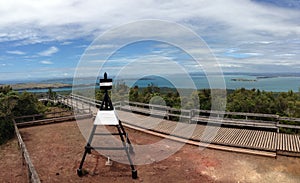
[45, 39]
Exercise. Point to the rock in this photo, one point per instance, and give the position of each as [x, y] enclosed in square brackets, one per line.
[177, 158]
[152, 160]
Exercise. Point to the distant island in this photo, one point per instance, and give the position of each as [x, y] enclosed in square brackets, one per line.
[266, 77]
[243, 79]
[32, 86]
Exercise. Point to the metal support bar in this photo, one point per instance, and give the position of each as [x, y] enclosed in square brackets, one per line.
[108, 134]
[109, 148]
[127, 139]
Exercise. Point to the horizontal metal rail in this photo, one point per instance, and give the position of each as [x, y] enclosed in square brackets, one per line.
[256, 120]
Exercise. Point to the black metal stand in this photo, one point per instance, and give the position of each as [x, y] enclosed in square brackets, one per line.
[107, 105]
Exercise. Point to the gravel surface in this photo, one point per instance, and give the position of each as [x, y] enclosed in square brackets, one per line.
[11, 167]
[56, 151]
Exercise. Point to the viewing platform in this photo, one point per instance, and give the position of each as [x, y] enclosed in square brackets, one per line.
[248, 133]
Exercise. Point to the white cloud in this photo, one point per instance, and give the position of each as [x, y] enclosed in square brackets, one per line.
[50, 51]
[286, 55]
[223, 65]
[47, 62]
[66, 43]
[97, 61]
[37, 20]
[102, 46]
[266, 34]
[16, 52]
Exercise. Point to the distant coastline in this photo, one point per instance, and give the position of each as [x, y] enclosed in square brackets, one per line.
[280, 82]
[243, 80]
[267, 77]
[37, 86]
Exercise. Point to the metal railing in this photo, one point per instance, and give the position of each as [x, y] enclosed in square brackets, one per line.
[238, 119]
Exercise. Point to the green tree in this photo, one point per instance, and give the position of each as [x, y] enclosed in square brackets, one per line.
[7, 103]
[28, 104]
[51, 94]
[134, 94]
[5, 89]
[205, 99]
[6, 129]
[120, 92]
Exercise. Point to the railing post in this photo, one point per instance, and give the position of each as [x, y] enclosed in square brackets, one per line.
[121, 104]
[76, 104]
[191, 115]
[167, 112]
[277, 124]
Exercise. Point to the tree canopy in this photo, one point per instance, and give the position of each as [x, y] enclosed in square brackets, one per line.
[239, 100]
[13, 104]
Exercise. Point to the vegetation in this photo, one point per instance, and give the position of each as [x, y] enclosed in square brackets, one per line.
[256, 101]
[240, 100]
[30, 86]
[51, 94]
[284, 104]
[13, 104]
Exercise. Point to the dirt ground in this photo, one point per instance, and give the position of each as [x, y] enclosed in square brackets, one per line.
[56, 151]
[11, 168]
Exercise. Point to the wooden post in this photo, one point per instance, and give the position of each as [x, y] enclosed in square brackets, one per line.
[32, 174]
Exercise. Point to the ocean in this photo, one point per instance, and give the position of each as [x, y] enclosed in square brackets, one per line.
[276, 84]
[266, 82]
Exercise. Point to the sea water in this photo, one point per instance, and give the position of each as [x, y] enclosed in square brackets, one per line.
[276, 84]
[231, 81]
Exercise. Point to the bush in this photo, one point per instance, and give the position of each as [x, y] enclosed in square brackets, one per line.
[6, 130]
[28, 104]
[13, 104]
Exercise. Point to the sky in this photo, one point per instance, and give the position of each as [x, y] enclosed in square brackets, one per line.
[46, 39]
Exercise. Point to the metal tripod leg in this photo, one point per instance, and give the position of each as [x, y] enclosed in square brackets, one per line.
[87, 150]
[131, 151]
[133, 170]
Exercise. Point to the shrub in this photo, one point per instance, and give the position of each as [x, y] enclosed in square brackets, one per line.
[6, 130]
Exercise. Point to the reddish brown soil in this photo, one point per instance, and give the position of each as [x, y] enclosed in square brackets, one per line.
[56, 151]
[11, 167]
